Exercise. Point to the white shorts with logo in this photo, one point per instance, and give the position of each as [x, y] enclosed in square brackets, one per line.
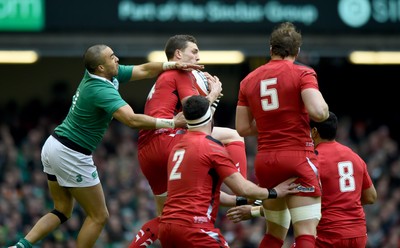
[72, 168]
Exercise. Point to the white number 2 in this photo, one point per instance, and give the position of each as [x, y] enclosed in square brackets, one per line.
[178, 157]
[346, 172]
[272, 102]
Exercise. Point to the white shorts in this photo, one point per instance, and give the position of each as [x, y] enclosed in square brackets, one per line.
[72, 168]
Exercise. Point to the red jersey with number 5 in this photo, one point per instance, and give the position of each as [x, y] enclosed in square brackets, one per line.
[273, 93]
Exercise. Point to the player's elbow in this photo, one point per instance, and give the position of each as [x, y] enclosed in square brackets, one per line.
[319, 114]
[369, 196]
[242, 132]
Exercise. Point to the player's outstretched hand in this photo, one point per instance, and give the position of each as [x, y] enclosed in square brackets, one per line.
[188, 66]
[287, 187]
[239, 213]
[180, 120]
[215, 87]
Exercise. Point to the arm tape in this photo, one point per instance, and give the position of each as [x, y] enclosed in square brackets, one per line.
[272, 194]
[255, 211]
[169, 65]
[240, 200]
[164, 123]
[214, 105]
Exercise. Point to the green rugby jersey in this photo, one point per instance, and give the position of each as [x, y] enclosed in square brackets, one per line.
[93, 105]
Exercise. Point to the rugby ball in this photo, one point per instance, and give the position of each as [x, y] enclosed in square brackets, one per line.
[201, 82]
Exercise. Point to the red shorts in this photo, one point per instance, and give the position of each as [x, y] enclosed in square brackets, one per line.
[357, 242]
[174, 235]
[272, 168]
[153, 160]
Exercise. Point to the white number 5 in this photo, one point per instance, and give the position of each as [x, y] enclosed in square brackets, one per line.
[272, 102]
[178, 157]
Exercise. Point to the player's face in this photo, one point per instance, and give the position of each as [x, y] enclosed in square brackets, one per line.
[110, 63]
[190, 54]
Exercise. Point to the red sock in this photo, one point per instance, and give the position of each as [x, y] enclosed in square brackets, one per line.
[237, 151]
[270, 242]
[147, 234]
[305, 241]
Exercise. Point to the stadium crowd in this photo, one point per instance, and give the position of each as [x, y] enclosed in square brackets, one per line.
[24, 196]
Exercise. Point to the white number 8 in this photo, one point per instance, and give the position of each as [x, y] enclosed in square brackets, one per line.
[346, 173]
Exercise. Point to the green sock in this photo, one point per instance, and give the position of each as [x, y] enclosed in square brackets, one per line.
[23, 243]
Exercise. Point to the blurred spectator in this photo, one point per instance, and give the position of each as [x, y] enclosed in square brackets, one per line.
[24, 195]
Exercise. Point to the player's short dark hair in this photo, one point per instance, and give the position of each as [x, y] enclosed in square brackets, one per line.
[328, 128]
[93, 57]
[195, 107]
[179, 41]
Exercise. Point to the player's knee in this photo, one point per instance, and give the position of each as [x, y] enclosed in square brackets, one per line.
[62, 217]
[100, 218]
[281, 217]
[306, 212]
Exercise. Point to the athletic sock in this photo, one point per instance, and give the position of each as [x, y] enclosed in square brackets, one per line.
[237, 151]
[305, 241]
[147, 234]
[270, 242]
[23, 243]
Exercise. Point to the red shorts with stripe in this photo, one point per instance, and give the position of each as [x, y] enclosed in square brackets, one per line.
[272, 168]
[153, 159]
[174, 235]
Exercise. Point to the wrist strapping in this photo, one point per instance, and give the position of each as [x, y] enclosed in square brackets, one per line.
[169, 65]
[240, 200]
[164, 123]
[272, 194]
[214, 105]
[255, 211]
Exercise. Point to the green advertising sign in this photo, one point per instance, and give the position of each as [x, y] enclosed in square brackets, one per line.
[22, 15]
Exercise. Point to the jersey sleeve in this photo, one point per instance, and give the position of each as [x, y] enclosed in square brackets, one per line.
[308, 79]
[221, 160]
[242, 100]
[185, 84]
[109, 99]
[124, 73]
[367, 182]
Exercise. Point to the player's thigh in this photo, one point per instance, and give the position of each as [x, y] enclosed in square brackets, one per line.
[329, 242]
[62, 198]
[274, 167]
[160, 201]
[92, 200]
[172, 235]
[226, 135]
[153, 160]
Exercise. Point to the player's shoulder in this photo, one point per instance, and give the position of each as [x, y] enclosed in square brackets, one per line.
[214, 141]
[303, 67]
[172, 73]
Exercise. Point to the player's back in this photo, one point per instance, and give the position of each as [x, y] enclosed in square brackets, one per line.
[164, 98]
[273, 92]
[196, 168]
[343, 177]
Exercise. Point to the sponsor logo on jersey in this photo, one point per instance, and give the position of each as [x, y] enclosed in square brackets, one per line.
[305, 189]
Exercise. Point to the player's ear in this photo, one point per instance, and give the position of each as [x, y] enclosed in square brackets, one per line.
[178, 54]
[314, 132]
[100, 67]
